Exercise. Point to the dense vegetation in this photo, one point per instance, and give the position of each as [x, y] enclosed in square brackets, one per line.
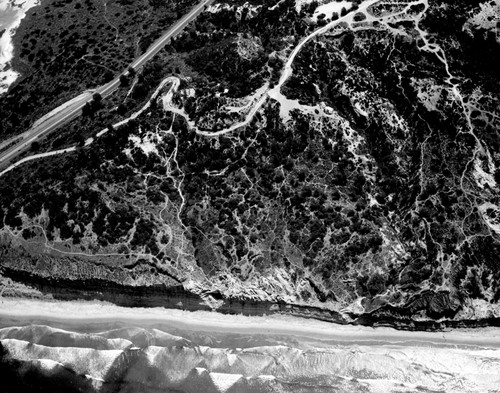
[66, 46]
[378, 196]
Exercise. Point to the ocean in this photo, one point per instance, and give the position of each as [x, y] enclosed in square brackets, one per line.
[102, 348]
[11, 14]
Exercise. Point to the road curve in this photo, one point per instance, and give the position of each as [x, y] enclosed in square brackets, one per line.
[72, 109]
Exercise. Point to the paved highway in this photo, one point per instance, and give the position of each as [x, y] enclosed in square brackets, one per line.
[72, 109]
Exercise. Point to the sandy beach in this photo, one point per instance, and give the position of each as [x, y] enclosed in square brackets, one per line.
[202, 351]
[84, 313]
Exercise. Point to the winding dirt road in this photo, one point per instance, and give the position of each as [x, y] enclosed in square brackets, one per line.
[268, 92]
[72, 109]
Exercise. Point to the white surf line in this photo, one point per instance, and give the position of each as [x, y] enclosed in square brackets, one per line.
[83, 313]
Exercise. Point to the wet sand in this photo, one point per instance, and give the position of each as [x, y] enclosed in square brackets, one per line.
[92, 316]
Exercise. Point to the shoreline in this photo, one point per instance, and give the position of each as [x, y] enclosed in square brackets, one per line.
[173, 296]
[18, 11]
[85, 314]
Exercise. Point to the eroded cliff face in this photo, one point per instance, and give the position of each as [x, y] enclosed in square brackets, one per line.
[343, 168]
[73, 278]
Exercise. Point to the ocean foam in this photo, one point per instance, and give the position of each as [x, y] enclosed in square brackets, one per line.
[409, 365]
[11, 14]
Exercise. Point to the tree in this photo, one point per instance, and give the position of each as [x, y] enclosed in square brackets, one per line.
[131, 71]
[343, 11]
[35, 146]
[96, 101]
[86, 109]
[122, 109]
[107, 76]
[312, 7]
[124, 80]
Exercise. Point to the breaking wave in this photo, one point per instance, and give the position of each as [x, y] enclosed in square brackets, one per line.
[151, 360]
